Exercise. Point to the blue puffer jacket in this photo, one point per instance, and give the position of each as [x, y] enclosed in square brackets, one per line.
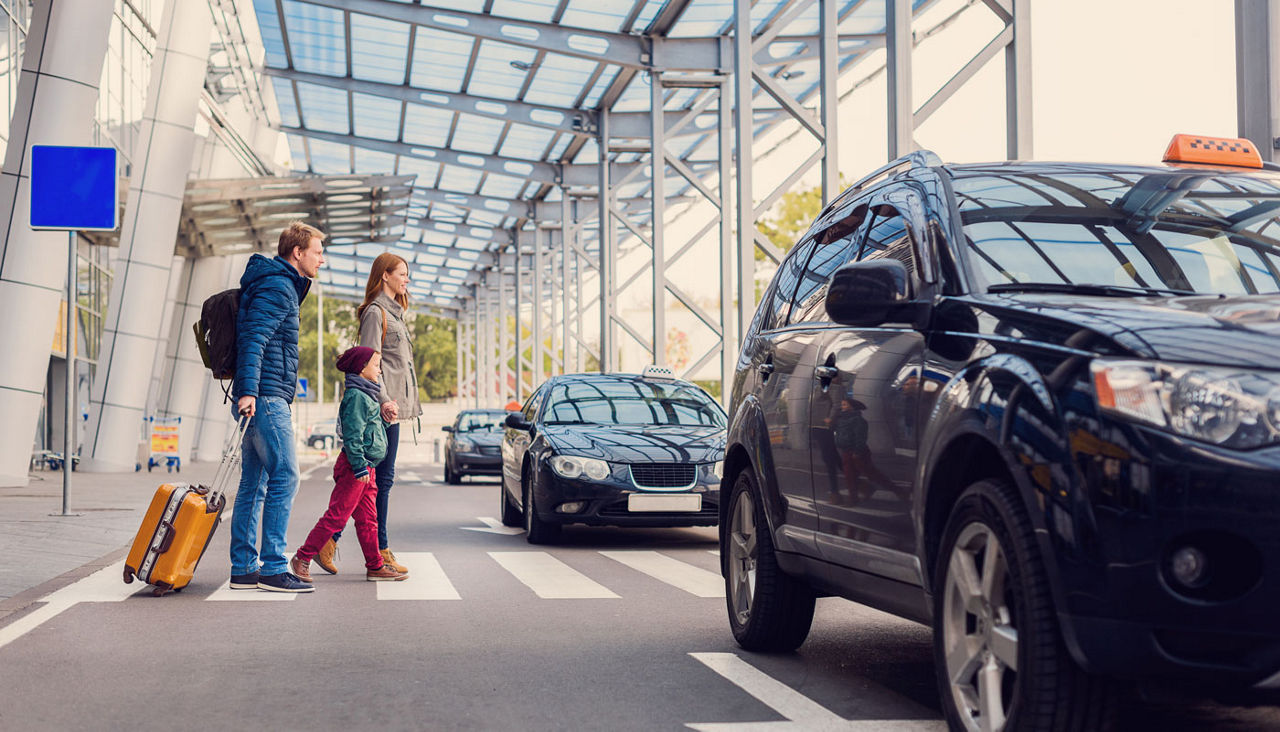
[267, 328]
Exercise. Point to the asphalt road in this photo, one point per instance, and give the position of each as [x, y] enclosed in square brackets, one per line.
[613, 629]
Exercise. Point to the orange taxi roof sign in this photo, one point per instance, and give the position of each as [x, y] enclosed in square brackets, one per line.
[1235, 151]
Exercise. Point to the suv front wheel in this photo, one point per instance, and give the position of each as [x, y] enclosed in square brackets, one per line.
[768, 609]
[998, 650]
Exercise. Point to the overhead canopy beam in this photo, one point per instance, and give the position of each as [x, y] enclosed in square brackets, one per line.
[535, 170]
[689, 54]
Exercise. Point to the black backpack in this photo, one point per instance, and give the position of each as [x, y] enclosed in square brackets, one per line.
[216, 333]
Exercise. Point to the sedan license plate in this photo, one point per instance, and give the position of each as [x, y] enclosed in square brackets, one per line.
[640, 502]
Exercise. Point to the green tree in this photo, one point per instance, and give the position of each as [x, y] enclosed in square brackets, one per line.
[340, 333]
[435, 347]
[791, 217]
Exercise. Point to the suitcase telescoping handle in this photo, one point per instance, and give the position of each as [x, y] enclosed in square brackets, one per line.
[230, 464]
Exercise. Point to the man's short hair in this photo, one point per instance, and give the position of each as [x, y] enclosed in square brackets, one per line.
[297, 235]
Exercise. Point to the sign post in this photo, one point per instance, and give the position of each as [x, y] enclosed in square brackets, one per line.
[73, 189]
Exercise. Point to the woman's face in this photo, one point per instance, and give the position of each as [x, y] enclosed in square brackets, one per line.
[397, 279]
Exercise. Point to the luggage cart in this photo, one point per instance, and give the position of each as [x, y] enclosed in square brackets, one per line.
[164, 443]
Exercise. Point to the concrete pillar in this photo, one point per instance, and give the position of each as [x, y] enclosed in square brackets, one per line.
[132, 328]
[214, 422]
[57, 92]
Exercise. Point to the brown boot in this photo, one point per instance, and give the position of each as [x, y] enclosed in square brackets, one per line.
[390, 559]
[301, 569]
[385, 573]
[326, 555]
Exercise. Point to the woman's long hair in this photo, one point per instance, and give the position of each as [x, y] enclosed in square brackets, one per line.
[386, 262]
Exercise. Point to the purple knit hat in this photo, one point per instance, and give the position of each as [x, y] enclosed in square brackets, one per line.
[353, 360]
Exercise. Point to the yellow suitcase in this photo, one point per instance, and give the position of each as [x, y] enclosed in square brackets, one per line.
[179, 525]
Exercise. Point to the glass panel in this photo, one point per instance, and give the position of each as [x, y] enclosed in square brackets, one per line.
[379, 49]
[559, 80]
[317, 38]
[440, 59]
[376, 117]
[494, 75]
[476, 134]
[427, 125]
[285, 101]
[269, 28]
[323, 108]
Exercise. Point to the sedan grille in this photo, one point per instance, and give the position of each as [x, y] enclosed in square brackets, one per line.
[490, 450]
[663, 475]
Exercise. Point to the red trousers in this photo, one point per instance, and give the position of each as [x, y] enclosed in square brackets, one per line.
[351, 499]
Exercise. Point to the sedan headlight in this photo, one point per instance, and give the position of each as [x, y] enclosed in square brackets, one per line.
[572, 466]
[463, 445]
[1235, 408]
[716, 469]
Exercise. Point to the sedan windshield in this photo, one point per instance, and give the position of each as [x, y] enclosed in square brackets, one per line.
[481, 421]
[1125, 233]
[628, 402]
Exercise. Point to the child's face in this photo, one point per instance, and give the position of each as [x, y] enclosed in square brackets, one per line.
[373, 370]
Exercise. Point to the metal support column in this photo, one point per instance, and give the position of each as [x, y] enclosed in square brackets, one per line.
[539, 305]
[898, 41]
[829, 73]
[519, 309]
[608, 350]
[743, 134]
[729, 337]
[566, 282]
[504, 340]
[1256, 85]
[658, 190]
[1017, 76]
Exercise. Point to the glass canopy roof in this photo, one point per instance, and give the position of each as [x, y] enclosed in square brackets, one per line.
[450, 92]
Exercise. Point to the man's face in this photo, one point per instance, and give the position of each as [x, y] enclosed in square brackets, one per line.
[311, 258]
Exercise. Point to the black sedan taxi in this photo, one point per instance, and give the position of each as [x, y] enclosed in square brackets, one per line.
[613, 449]
[473, 447]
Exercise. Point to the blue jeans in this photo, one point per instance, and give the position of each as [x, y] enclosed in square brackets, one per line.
[268, 482]
[384, 476]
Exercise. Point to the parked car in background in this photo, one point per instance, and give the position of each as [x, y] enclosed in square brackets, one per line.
[612, 449]
[1035, 405]
[474, 444]
[323, 435]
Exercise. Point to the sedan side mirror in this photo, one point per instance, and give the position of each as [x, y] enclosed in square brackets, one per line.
[871, 293]
[447, 428]
[516, 421]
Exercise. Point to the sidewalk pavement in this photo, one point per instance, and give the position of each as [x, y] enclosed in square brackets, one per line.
[41, 550]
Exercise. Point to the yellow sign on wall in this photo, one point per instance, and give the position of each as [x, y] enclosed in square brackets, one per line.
[60, 333]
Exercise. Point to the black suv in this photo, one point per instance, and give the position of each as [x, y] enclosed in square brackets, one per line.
[1035, 405]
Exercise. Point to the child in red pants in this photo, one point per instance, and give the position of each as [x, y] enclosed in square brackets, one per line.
[364, 444]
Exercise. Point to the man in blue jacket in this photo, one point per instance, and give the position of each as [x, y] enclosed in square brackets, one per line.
[266, 375]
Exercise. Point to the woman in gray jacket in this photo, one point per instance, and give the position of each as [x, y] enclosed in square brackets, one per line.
[382, 328]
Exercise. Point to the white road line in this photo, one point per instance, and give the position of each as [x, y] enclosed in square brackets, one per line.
[550, 578]
[691, 579]
[494, 527]
[409, 477]
[714, 552]
[105, 585]
[306, 474]
[802, 713]
[427, 580]
[226, 594]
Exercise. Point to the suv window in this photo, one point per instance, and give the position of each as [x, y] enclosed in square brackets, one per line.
[839, 245]
[784, 289]
[887, 237]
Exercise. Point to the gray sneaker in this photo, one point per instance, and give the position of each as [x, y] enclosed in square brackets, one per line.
[283, 582]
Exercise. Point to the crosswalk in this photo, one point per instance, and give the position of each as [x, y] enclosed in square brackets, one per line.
[545, 575]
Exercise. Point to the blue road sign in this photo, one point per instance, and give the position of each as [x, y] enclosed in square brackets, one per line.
[302, 388]
[74, 188]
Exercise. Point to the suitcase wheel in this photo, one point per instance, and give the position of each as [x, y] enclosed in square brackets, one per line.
[160, 589]
[128, 575]
[178, 589]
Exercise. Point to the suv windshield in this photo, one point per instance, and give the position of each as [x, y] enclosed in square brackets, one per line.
[481, 421]
[631, 402]
[1122, 232]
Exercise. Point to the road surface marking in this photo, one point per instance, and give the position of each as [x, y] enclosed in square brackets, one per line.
[550, 578]
[801, 712]
[306, 474]
[691, 579]
[226, 594]
[494, 527]
[409, 478]
[427, 580]
[105, 585]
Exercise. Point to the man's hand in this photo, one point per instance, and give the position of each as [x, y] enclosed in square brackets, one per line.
[247, 405]
[390, 411]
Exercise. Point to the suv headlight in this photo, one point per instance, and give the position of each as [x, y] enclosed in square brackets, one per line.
[1235, 408]
[462, 445]
[572, 466]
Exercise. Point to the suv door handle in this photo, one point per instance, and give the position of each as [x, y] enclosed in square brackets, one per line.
[825, 373]
[765, 369]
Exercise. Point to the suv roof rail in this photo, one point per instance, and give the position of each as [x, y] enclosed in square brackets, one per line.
[917, 159]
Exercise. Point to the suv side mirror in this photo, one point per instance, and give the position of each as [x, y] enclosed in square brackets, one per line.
[870, 293]
[447, 428]
[516, 421]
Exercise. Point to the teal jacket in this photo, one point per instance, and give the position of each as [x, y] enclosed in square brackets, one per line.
[364, 435]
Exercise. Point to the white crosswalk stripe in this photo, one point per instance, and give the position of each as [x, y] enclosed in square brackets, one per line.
[550, 578]
[427, 580]
[691, 579]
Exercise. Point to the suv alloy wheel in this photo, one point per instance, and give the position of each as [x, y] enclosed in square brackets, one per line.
[768, 609]
[998, 649]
